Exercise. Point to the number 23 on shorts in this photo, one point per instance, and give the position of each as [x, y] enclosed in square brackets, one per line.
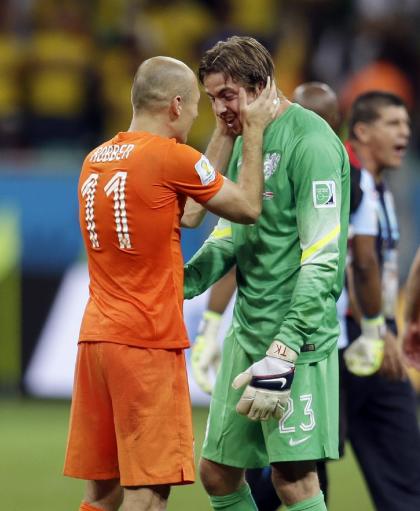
[301, 419]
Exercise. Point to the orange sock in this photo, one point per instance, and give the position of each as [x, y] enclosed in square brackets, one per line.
[84, 506]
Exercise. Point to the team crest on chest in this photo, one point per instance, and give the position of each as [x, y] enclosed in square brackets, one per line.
[271, 161]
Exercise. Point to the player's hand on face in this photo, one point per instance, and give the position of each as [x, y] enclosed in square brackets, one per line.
[263, 110]
[392, 365]
[411, 344]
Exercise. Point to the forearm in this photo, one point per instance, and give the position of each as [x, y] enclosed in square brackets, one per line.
[205, 268]
[218, 152]
[250, 178]
[193, 215]
[211, 262]
[366, 276]
[353, 304]
[311, 297]
[367, 290]
[222, 291]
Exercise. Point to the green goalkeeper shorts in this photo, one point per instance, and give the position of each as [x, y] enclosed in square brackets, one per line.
[307, 431]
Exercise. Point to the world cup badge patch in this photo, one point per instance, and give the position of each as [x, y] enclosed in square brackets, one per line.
[205, 170]
[323, 193]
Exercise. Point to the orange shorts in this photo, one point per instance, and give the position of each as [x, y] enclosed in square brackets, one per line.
[130, 416]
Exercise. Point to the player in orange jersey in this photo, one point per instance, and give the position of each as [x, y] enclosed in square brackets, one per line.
[130, 429]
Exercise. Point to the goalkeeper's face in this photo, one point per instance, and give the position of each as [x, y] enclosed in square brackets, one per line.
[223, 93]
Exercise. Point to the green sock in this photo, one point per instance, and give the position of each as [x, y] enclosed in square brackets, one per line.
[241, 500]
[316, 503]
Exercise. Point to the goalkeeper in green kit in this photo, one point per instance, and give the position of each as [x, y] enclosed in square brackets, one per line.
[276, 394]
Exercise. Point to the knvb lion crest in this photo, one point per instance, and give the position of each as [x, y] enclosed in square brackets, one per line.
[271, 161]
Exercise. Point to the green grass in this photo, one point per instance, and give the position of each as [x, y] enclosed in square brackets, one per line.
[32, 442]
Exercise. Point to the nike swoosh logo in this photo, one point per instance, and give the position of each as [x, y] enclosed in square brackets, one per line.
[283, 382]
[292, 442]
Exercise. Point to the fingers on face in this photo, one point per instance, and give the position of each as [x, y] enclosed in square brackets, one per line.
[242, 99]
[270, 95]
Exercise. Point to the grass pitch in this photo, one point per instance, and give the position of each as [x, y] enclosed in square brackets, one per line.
[32, 442]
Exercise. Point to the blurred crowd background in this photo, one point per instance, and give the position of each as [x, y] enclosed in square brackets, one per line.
[66, 68]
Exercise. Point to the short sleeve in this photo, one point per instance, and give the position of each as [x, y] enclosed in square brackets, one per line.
[364, 220]
[189, 172]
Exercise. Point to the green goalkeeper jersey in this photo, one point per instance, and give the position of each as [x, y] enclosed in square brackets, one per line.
[290, 263]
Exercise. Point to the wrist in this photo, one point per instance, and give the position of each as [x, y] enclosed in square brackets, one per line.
[373, 328]
[279, 350]
[221, 133]
[212, 315]
[252, 130]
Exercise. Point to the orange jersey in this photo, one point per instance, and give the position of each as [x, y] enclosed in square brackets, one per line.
[132, 191]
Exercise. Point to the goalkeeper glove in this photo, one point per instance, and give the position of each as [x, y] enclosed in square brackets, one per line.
[268, 383]
[365, 355]
[205, 354]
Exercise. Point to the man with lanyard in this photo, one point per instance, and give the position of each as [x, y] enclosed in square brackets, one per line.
[378, 400]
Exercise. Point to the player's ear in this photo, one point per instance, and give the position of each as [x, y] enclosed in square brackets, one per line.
[259, 88]
[362, 132]
[175, 107]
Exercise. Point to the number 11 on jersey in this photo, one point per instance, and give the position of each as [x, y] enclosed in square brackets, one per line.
[115, 186]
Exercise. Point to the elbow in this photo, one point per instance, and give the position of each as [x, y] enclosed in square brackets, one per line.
[254, 213]
[190, 222]
[251, 216]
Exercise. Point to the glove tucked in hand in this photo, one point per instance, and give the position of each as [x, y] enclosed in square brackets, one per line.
[205, 353]
[268, 384]
[365, 355]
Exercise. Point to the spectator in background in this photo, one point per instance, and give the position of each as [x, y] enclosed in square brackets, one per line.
[158, 25]
[321, 99]
[379, 401]
[162, 19]
[378, 75]
[58, 76]
[371, 47]
[11, 65]
[116, 65]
